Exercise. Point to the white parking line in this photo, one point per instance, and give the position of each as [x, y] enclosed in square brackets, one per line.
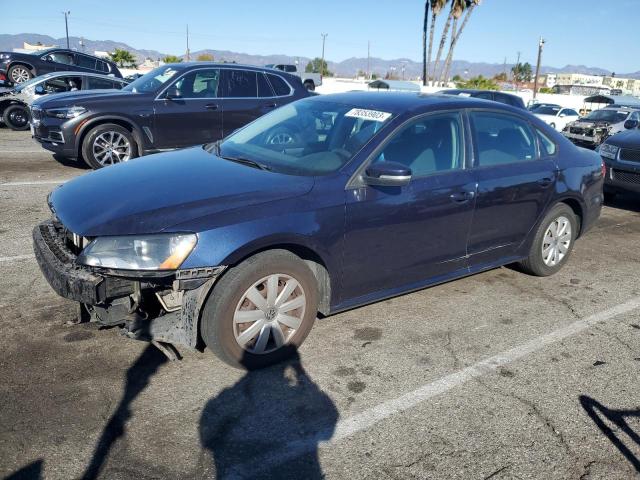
[16, 258]
[370, 417]
[37, 182]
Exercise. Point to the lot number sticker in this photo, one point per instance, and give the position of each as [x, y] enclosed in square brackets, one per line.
[368, 114]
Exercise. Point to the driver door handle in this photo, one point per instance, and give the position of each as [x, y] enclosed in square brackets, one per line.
[271, 105]
[211, 106]
[462, 197]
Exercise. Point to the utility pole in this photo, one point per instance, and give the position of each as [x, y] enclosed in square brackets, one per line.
[369, 60]
[324, 37]
[535, 82]
[516, 74]
[188, 43]
[66, 25]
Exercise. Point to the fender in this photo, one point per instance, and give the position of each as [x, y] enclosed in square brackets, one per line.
[22, 62]
[85, 127]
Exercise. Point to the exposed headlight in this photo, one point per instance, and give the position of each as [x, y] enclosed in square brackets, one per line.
[147, 252]
[609, 151]
[66, 112]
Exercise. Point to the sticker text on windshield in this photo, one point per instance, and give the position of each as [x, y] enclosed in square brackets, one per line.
[368, 114]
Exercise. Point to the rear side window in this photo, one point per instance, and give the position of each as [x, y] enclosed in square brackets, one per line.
[547, 147]
[264, 89]
[86, 62]
[239, 84]
[102, 66]
[98, 83]
[502, 139]
[281, 87]
[429, 145]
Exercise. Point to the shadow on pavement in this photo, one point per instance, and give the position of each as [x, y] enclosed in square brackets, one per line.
[269, 424]
[138, 377]
[33, 471]
[599, 412]
[78, 163]
[624, 201]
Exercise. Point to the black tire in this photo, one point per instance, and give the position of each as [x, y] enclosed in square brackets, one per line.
[87, 144]
[534, 264]
[217, 323]
[26, 73]
[310, 85]
[16, 117]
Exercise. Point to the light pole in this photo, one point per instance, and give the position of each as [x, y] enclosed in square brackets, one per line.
[188, 57]
[66, 25]
[324, 37]
[535, 82]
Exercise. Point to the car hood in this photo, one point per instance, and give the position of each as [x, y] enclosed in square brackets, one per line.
[86, 96]
[154, 193]
[584, 123]
[626, 139]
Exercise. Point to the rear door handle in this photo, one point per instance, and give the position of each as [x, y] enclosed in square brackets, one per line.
[271, 105]
[462, 197]
[545, 182]
[211, 106]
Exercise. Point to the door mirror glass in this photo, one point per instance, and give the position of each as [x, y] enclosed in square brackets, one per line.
[387, 174]
[48, 58]
[631, 124]
[39, 90]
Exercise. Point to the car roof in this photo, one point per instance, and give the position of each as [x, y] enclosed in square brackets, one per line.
[399, 102]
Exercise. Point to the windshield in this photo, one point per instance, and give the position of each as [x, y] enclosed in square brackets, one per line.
[308, 137]
[611, 116]
[547, 111]
[153, 80]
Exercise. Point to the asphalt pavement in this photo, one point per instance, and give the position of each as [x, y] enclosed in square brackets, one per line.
[499, 375]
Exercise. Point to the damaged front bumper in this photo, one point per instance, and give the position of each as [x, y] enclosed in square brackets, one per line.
[152, 306]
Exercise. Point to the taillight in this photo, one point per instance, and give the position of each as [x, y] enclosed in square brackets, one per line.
[3, 77]
[604, 170]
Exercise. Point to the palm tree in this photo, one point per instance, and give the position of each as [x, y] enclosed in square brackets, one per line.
[436, 8]
[469, 5]
[424, 42]
[445, 34]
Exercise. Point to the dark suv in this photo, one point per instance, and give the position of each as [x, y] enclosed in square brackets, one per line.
[506, 98]
[21, 67]
[173, 106]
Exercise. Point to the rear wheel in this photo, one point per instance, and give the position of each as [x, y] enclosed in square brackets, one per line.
[19, 74]
[310, 85]
[260, 310]
[16, 117]
[553, 242]
[108, 144]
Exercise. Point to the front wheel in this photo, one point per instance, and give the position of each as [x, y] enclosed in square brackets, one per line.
[260, 310]
[108, 144]
[553, 242]
[16, 117]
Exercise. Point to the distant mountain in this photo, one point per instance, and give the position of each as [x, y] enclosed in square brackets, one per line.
[346, 68]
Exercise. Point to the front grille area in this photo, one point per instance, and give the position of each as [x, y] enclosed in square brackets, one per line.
[630, 155]
[582, 131]
[626, 177]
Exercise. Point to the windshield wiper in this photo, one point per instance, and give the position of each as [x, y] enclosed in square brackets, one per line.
[246, 161]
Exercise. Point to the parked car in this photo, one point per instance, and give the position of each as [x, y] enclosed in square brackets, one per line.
[556, 117]
[501, 97]
[593, 129]
[15, 103]
[309, 80]
[621, 154]
[173, 106]
[238, 245]
[18, 68]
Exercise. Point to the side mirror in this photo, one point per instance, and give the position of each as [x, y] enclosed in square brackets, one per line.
[387, 174]
[173, 94]
[39, 90]
[48, 58]
[631, 124]
[562, 115]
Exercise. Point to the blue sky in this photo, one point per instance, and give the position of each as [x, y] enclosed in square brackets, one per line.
[577, 31]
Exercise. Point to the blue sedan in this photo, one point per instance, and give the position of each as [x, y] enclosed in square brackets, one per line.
[323, 205]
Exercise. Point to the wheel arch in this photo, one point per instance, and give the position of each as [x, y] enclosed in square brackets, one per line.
[578, 209]
[24, 63]
[88, 125]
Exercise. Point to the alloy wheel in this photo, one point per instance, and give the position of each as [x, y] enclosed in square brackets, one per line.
[556, 241]
[19, 74]
[110, 148]
[269, 313]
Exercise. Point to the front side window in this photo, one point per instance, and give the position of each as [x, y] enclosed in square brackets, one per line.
[61, 57]
[239, 84]
[427, 146]
[308, 137]
[502, 139]
[63, 84]
[199, 84]
[86, 62]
